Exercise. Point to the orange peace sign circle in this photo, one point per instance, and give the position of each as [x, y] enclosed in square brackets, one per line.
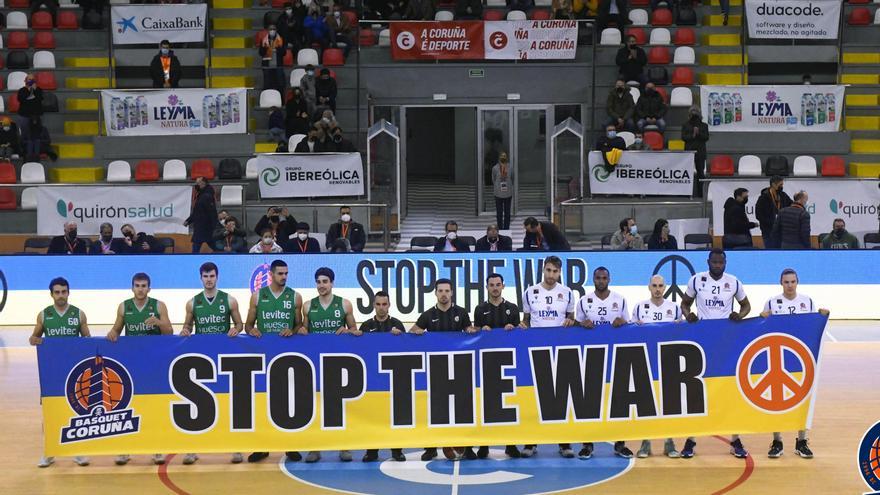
[768, 393]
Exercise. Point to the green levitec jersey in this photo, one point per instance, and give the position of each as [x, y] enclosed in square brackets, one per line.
[68, 324]
[214, 316]
[135, 319]
[326, 320]
[275, 314]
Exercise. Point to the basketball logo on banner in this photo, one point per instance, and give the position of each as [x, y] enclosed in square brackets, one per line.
[869, 458]
[99, 390]
[777, 389]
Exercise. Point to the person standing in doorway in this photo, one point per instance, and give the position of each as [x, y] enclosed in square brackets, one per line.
[502, 188]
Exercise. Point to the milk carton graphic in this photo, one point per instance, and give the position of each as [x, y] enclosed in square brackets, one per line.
[143, 112]
[223, 110]
[821, 108]
[829, 101]
[209, 112]
[117, 114]
[714, 109]
[235, 108]
[808, 110]
[737, 107]
[131, 111]
[727, 105]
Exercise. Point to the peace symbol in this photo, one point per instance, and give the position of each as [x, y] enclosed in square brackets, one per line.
[775, 391]
[672, 282]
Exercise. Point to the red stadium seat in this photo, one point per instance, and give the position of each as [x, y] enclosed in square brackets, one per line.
[332, 74]
[654, 139]
[202, 168]
[833, 166]
[288, 58]
[7, 173]
[146, 171]
[493, 15]
[859, 17]
[41, 20]
[661, 17]
[684, 36]
[640, 35]
[2, 63]
[17, 4]
[7, 199]
[278, 4]
[639, 3]
[367, 37]
[540, 15]
[46, 80]
[721, 165]
[857, 2]
[17, 40]
[683, 76]
[13, 105]
[663, 93]
[659, 55]
[258, 37]
[44, 40]
[67, 20]
[333, 57]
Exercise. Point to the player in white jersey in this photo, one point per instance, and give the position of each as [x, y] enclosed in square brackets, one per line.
[656, 310]
[714, 292]
[790, 303]
[596, 309]
[548, 304]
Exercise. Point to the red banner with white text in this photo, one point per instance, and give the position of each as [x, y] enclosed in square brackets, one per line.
[461, 40]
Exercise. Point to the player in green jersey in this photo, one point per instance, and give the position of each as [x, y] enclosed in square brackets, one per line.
[275, 309]
[211, 311]
[328, 314]
[60, 320]
[140, 315]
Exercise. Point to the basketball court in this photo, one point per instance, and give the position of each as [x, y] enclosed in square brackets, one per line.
[846, 407]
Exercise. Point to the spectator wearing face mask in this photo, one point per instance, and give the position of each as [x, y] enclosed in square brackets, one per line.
[627, 236]
[695, 134]
[345, 235]
[302, 243]
[106, 244]
[770, 202]
[307, 84]
[650, 109]
[639, 143]
[134, 242]
[839, 238]
[661, 239]
[204, 214]
[610, 140]
[68, 243]
[325, 90]
[165, 69]
[276, 125]
[296, 118]
[450, 242]
[30, 100]
[493, 241]
[10, 140]
[631, 61]
[272, 49]
[36, 140]
[339, 29]
[502, 189]
[737, 227]
[316, 29]
[620, 107]
[277, 218]
[228, 238]
[340, 143]
[290, 25]
[315, 142]
[266, 244]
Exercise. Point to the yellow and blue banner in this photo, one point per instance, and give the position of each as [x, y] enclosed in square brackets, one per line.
[212, 393]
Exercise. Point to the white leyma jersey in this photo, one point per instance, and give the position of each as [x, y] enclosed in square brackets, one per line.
[779, 305]
[715, 297]
[602, 311]
[547, 308]
[646, 312]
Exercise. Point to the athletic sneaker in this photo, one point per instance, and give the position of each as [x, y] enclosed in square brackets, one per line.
[237, 458]
[644, 450]
[158, 459]
[190, 459]
[470, 455]
[483, 452]
[122, 460]
[621, 450]
[313, 456]
[257, 456]
[802, 449]
[688, 451]
[565, 451]
[512, 452]
[528, 451]
[429, 454]
[345, 455]
[587, 451]
[775, 451]
[46, 461]
[397, 455]
[669, 449]
[371, 455]
[293, 456]
[81, 461]
[737, 450]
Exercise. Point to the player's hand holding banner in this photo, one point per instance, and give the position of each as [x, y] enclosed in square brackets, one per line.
[215, 394]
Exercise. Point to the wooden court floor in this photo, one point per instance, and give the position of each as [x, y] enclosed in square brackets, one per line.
[848, 403]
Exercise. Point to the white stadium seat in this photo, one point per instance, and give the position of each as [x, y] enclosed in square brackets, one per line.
[636, 94]
[307, 56]
[804, 166]
[119, 171]
[29, 198]
[2, 103]
[44, 60]
[16, 20]
[638, 17]
[610, 36]
[877, 17]
[250, 170]
[15, 80]
[516, 15]
[660, 36]
[293, 141]
[33, 173]
[628, 137]
[681, 97]
[444, 15]
[684, 55]
[385, 37]
[230, 195]
[496, 3]
[749, 166]
[270, 98]
[174, 170]
[296, 76]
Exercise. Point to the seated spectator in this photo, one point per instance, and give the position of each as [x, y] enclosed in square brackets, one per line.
[165, 69]
[91, 5]
[639, 143]
[610, 140]
[419, 10]
[627, 236]
[279, 220]
[346, 236]
[339, 29]
[229, 238]
[562, 9]
[620, 107]
[325, 91]
[383, 10]
[10, 140]
[276, 125]
[307, 84]
[50, 5]
[302, 243]
[523, 5]
[631, 61]
[493, 241]
[290, 25]
[315, 27]
[737, 227]
[266, 244]
[106, 244]
[543, 236]
[272, 50]
[30, 100]
[469, 9]
[451, 243]
[660, 239]
[650, 109]
[839, 238]
[68, 243]
[134, 242]
[315, 142]
[296, 119]
[340, 144]
[612, 11]
[36, 141]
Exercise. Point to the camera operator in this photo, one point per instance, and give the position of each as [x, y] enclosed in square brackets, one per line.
[279, 220]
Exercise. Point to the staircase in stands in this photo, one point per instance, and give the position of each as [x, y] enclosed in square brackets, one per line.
[861, 70]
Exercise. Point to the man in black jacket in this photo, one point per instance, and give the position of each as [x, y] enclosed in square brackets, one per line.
[165, 70]
[451, 242]
[543, 236]
[792, 226]
[736, 223]
[106, 244]
[695, 133]
[134, 242]
[302, 243]
[315, 142]
[772, 200]
[650, 109]
[346, 236]
[68, 243]
[631, 61]
[203, 218]
[493, 241]
[280, 221]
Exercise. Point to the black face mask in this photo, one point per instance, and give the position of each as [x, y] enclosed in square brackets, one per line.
[839, 232]
[337, 138]
[72, 234]
[621, 90]
[492, 240]
[274, 219]
[130, 235]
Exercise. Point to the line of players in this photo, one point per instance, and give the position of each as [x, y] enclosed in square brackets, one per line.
[279, 309]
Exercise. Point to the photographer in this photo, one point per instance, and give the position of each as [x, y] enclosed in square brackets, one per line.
[279, 220]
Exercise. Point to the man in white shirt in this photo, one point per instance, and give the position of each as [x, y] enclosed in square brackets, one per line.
[656, 310]
[714, 292]
[790, 303]
[548, 304]
[598, 308]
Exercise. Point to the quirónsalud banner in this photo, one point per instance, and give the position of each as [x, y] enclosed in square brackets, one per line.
[211, 393]
[663, 173]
